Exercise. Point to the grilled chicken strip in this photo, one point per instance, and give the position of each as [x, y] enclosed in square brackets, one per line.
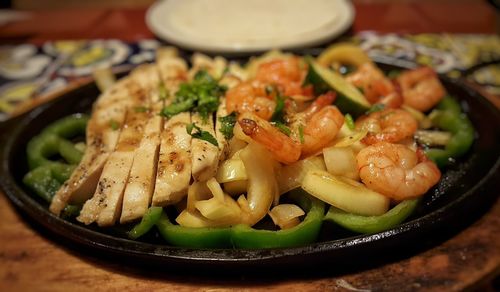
[174, 160]
[108, 113]
[106, 204]
[221, 139]
[205, 155]
[103, 206]
[174, 164]
[140, 184]
[173, 69]
[215, 67]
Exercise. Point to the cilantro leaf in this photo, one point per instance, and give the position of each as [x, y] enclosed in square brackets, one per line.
[394, 74]
[282, 127]
[375, 108]
[175, 108]
[279, 113]
[200, 134]
[301, 134]
[200, 95]
[349, 122]
[114, 125]
[163, 91]
[228, 123]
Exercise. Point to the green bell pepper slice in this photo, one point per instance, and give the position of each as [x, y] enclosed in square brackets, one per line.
[244, 236]
[71, 211]
[372, 224]
[46, 176]
[204, 237]
[449, 117]
[68, 127]
[46, 180]
[53, 140]
[69, 152]
[41, 181]
[149, 220]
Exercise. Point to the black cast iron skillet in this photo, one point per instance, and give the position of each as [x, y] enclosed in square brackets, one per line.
[468, 187]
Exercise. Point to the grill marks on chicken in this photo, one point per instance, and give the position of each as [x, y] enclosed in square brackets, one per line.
[105, 206]
[205, 155]
[221, 139]
[140, 184]
[109, 110]
[174, 162]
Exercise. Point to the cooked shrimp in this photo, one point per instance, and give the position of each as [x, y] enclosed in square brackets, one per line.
[319, 103]
[286, 73]
[249, 98]
[297, 119]
[376, 87]
[389, 125]
[321, 129]
[283, 148]
[321, 123]
[396, 171]
[421, 88]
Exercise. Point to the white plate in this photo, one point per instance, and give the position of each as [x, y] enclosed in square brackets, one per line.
[238, 26]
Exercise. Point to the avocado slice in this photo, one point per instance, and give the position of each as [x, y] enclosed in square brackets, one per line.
[349, 98]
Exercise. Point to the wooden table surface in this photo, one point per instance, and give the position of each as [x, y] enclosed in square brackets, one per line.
[30, 260]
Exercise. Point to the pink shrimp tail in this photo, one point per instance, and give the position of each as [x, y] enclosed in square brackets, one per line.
[319, 103]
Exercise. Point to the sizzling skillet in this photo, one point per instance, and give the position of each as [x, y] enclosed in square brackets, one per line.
[465, 188]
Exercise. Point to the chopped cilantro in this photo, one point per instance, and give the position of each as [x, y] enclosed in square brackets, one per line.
[279, 114]
[393, 74]
[301, 134]
[349, 121]
[177, 107]
[114, 125]
[375, 108]
[227, 126]
[141, 109]
[282, 127]
[200, 134]
[278, 117]
[200, 95]
[163, 91]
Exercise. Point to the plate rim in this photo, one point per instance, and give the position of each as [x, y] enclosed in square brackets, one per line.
[192, 44]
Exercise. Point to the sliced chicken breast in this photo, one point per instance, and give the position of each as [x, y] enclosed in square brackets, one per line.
[214, 66]
[171, 71]
[140, 184]
[102, 135]
[141, 181]
[205, 155]
[174, 162]
[221, 139]
[104, 206]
